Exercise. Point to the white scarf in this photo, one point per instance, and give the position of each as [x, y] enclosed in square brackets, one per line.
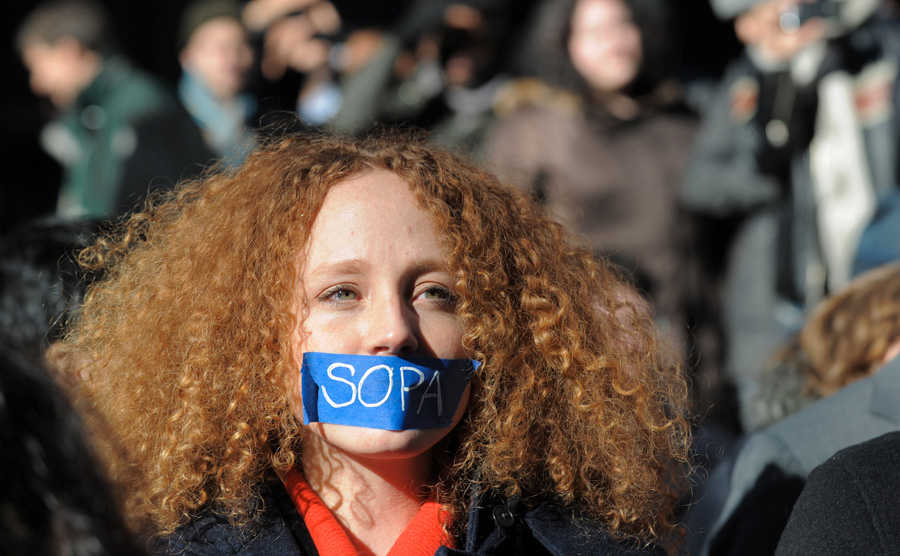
[842, 182]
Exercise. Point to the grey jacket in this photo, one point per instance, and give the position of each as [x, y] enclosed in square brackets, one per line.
[772, 466]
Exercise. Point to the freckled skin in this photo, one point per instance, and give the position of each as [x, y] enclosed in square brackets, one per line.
[375, 280]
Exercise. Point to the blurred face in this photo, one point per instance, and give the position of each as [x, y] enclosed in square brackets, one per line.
[56, 71]
[219, 55]
[466, 46]
[375, 282]
[760, 28]
[605, 44]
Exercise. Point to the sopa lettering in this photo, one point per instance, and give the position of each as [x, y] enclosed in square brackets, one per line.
[375, 393]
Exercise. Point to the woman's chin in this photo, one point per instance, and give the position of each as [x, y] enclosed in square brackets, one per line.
[378, 443]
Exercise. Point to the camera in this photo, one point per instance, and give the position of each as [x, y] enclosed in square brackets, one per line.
[797, 14]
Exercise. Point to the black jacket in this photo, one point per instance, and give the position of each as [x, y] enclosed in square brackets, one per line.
[495, 527]
[850, 505]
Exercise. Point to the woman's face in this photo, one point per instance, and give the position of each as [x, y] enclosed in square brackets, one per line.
[605, 44]
[375, 281]
[219, 54]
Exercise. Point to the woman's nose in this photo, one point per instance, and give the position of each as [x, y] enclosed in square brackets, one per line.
[392, 328]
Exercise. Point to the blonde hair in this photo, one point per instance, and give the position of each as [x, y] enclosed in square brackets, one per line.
[189, 339]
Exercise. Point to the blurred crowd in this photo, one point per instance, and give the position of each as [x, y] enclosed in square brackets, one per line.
[751, 196]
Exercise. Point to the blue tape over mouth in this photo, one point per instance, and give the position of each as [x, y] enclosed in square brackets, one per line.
[383, 392]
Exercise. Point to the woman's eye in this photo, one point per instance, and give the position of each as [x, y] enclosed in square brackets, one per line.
[439, 294]
[341, 294]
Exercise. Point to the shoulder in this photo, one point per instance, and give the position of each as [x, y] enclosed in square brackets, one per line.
[849, 506]
[798, 443]
[499, 526]
[558, 530]
[854, 414]
[534, 129]
[276, 531]
[765, 448]
[874, 463]
[530, 106]
[772, 467]
[527, 96]
[134, 91]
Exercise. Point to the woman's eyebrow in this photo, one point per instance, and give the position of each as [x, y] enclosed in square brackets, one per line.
[356, 266]
[421, 266]
[345, 267]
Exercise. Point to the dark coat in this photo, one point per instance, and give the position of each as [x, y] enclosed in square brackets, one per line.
[495, 527]
[614, 182]
[850, 504]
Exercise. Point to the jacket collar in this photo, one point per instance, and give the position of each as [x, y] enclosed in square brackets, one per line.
[498, 525]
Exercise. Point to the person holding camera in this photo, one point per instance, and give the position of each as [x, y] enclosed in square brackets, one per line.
[797, 149]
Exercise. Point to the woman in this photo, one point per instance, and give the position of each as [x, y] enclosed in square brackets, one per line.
[603, 141]
[849, 336]
[232, 312]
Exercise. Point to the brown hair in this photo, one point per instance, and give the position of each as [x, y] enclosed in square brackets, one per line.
[85, 21]
[848, 335]
[189, 338]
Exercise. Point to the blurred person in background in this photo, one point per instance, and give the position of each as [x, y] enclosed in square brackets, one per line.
[41, 284]
[215, 58]
[439, 67]
[401, 78]
[117, 128]
[847, 338]
[797, 151]
[54, 497]
[295, 43]
[328, 71]
[602, 137]
[849, 359]
[467, 41]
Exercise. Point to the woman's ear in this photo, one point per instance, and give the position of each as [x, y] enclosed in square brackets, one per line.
[893, 351]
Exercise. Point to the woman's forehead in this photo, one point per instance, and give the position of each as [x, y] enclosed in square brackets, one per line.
[374, 214]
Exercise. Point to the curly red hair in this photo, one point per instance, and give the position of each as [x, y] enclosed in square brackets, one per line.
[189, 335]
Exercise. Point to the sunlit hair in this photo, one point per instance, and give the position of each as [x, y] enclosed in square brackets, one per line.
[190, 334]
[849, 334]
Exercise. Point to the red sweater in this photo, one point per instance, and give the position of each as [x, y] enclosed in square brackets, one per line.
[423, 536]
